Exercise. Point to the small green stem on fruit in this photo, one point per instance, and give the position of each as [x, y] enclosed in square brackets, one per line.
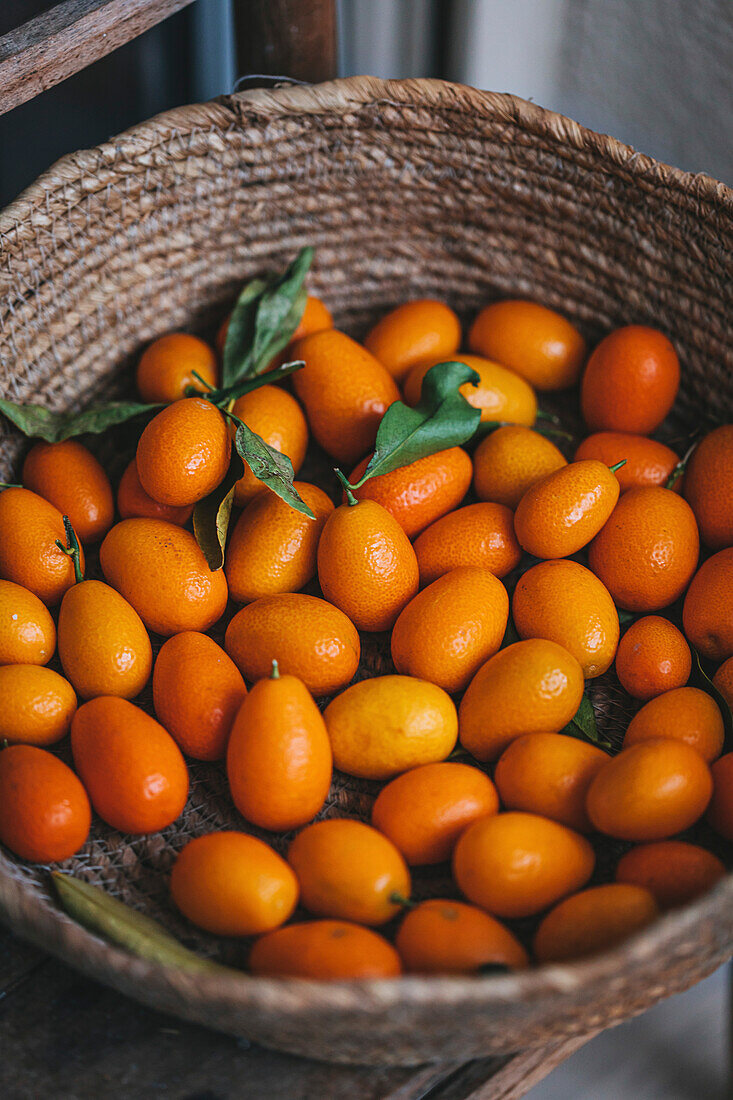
[9, 485]
[617, 466]
[275, 674]
[396, 898]
[350, 498]
[680, 467]
[552, 417]
[207, 387]
[72, 549]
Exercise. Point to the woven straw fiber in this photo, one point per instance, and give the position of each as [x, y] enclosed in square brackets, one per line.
[405, 189]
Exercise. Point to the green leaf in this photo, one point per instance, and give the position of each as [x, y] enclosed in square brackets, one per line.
[212, 514]
[41, 423]
[702, 680]
[106, 916]
[442, 418]
[246, 385]
[271, 467]
[266, 315]
[583, 725]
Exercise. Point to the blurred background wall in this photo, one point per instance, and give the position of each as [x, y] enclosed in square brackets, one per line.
[655, 73]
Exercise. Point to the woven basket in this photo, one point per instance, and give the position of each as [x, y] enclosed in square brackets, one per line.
[405, 189]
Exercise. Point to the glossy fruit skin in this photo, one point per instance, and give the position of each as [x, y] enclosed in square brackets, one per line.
[197, 691]
[566, 603]
[111, 737]
[723, 680]
[451, 628]
[517, 864]
[346, 392]
[232, 884]
[592, 921]
[183, 453]
[348, 871]
[103, 644]
[44, 810]
[276, 417]
[70, 477]
[501, 394]
[325, 950]
[279, 756]
[425, 810]
[442, 936]
[27, 631]
[366, 565]
[307, 636]
[720, 810]
[421, 331]
[534, 341]
[166, 367]
[134, 503]
[549, 774]
[708, 487]
[273, 548]
[652, 657]
[630, 382]
[480, 535]
[673, 871]
[160, 569]
[38, 705]
[534, 686]
[560, 515]
[647, 462]
[650, 791]
[510, 460]
[707, 615]
[420, 493]
[388, 724]
[685, 714]
[647, 552]
[29, 528]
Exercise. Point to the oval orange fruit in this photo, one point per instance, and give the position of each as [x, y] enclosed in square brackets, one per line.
[166, 368]
[560, 514]
[421, 331]
[501, 394]
[593, 920]
[274, 415]
[111, 737]
[510, 460]
[442, 936]
[324, 950]
[103, 644]
[44, 810]
[71, 478]
[134, 503]
[38, 705]
[646, 462]
[708, 487]
[707, 615]
[479, 535]
[183, 452]
[197, 691]
[631, 381]
[536, 342]
[29, 530]
[652, 657]
[27, 631]
[447, 631]
[307, 636]
[279, 756]
[673, 871]
[273, 548]
[685, 714]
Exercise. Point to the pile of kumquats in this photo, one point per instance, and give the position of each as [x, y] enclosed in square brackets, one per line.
[504, 563]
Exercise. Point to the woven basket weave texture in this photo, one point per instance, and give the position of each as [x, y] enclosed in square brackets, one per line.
[405, 189]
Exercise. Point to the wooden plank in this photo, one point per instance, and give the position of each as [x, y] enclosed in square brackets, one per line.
[18, 962]
[295, 38]
[68, 37]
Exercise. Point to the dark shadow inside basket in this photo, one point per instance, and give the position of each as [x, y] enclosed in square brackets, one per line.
[403, 195]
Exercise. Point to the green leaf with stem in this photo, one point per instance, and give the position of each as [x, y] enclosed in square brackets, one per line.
[271, 467]
[211, 515]
[583, 725]
[441, 419]
[263, 321]
[108, 917]
[72, 549]
[246, 385]
[40, 423]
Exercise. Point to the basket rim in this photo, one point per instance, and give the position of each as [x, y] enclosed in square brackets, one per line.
[23, 908]
[348, 94]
